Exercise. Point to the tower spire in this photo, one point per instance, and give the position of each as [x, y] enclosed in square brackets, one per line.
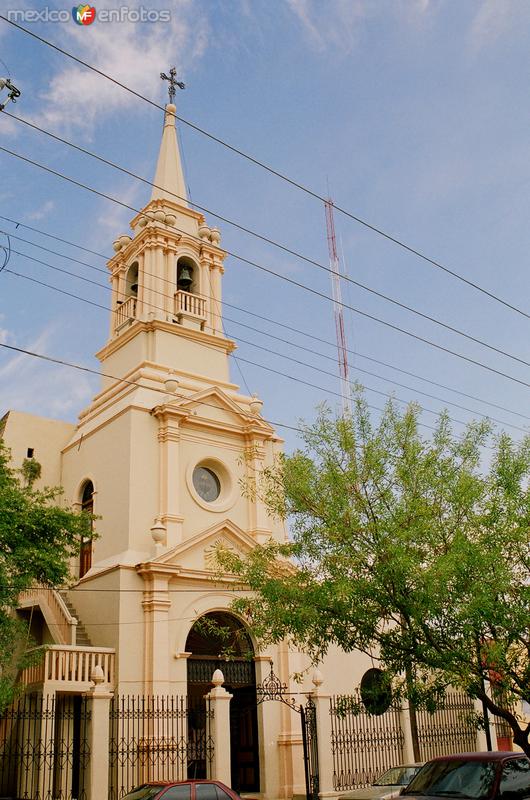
[169, 175]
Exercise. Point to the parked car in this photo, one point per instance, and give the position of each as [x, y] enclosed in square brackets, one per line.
[387, 786]
[473, 776]
[182, 790]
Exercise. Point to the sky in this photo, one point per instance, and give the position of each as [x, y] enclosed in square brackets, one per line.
[412, 114]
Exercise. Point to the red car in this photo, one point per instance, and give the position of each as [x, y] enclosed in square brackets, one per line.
[182, 790]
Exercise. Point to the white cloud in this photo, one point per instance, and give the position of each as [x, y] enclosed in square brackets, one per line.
[113, 219]
[494, 19]
[132, 53]
[333, 23]
[42, 211]
[338, 24]
[30, 384]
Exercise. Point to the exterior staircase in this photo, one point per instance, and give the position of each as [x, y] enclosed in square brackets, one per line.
[68, 665]
[81, 636]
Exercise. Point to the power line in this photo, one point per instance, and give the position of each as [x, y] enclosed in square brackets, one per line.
[89, 370]
[297, 283]
[282, 355]
[270, 320]
[249, 327]
[245, 361]
[296, 184]
[282, 247]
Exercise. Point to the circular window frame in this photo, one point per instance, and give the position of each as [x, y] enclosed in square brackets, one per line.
[227, 496]
[377, 700]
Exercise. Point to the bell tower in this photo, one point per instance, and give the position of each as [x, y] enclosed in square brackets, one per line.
[166, 278]
[165, 440]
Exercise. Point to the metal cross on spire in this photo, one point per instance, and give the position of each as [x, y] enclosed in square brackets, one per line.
[173, 82]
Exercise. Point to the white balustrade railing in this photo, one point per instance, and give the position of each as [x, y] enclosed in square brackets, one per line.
[125, 311]
[69, 664]
[188, 303]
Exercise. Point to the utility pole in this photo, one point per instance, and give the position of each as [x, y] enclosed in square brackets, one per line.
[338, 311]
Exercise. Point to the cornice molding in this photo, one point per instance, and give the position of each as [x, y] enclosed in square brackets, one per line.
[139, 326]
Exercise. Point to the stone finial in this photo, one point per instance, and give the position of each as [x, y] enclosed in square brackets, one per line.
[171, 383]
[97, 675]
[215, 235]
[317, 679]
[158, 532]
[204, 232]
[218, 678]
[256, 405]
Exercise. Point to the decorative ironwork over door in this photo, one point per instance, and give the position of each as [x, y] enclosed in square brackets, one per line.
[272, 688]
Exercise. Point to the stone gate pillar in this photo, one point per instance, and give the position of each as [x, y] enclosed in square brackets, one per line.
[220, 729]
[98, 740]
[321, 700]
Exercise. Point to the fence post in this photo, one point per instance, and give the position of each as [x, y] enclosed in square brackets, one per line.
[321, 700]
[46, 743]
[409, 756]
[98, 738]
[482, 743]
[220, 729]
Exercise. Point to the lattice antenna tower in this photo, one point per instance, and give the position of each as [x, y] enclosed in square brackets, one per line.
[340, 331]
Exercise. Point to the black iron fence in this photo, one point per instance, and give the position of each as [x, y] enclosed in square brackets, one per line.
[44, 750]
[308, 714]
[363, 745]
[157, 738]
[450, 729]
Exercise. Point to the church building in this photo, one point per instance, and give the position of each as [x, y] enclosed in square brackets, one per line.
[159, 457]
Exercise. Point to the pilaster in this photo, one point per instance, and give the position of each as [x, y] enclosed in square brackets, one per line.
[156, 604]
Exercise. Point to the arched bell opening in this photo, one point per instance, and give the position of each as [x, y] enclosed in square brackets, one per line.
[187, 275]
[131, 281]
[219, 640]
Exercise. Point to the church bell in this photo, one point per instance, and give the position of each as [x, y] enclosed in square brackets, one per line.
[185, 279]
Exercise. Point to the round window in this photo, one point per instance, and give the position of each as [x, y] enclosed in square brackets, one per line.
[206, 484]
[376, 691]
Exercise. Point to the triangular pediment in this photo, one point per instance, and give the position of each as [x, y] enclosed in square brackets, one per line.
[216, 406]
[198, 553]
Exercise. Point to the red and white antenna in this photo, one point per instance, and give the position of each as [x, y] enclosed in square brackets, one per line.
[337, 308]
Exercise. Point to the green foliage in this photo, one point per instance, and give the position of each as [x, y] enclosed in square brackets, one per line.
[405, 548]
[31, 471]
[37, 539]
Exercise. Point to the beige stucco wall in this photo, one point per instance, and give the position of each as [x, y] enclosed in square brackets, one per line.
[46, 436]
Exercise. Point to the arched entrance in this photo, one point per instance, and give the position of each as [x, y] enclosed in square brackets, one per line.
[218, 640]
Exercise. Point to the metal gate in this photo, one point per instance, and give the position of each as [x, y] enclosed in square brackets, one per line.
[157, 738]
[308, 718]
[273, 689]
[44, 749]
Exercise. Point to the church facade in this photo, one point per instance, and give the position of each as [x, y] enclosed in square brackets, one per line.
[160, 456]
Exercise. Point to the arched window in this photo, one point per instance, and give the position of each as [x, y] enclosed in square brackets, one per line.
[87, 507]
[131, 281]
[187, 275]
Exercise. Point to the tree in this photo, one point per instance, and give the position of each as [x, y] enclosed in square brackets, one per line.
[38, 538]
[405, 547]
